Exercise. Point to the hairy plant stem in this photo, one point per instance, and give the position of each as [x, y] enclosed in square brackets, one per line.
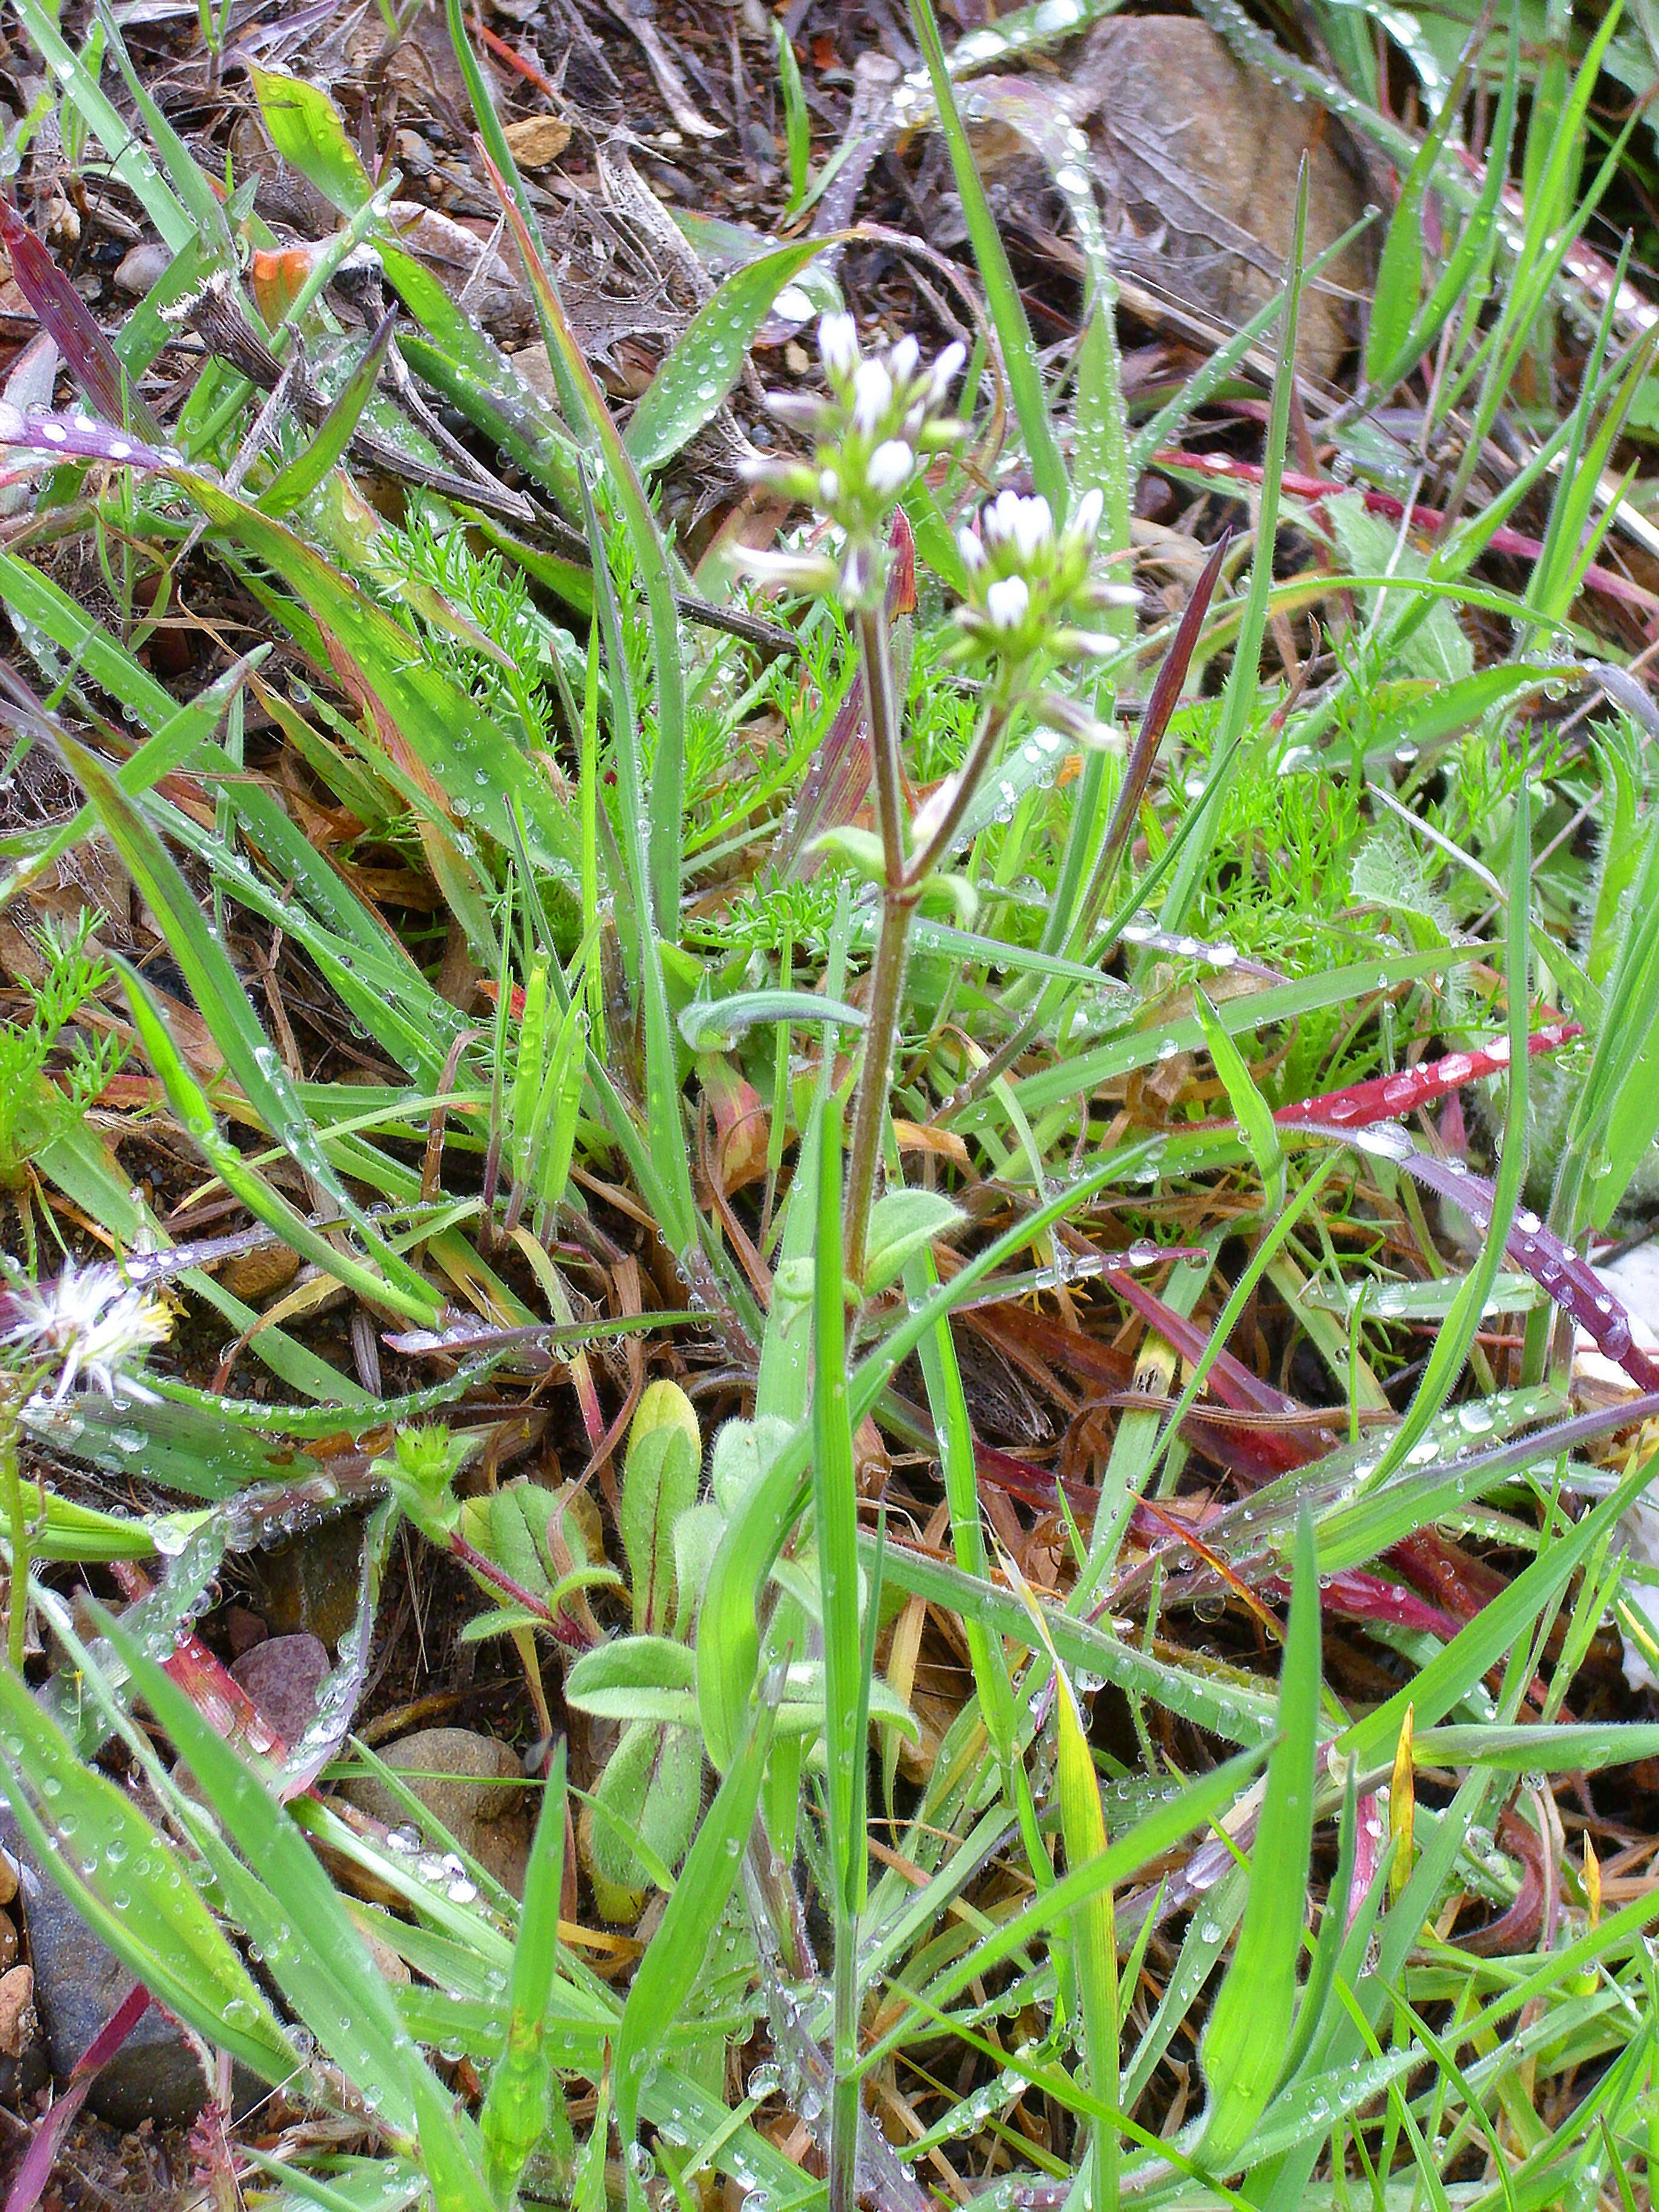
[11, 1487]
[880, 1032]
[900, 894]
[876, 662]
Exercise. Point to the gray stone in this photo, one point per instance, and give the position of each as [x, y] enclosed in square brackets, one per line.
[281, 1676]
[78, 1984]
[471, 1783]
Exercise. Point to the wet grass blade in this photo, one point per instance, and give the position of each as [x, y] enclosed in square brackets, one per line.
[88, 1835]
[328, 442]
[515, 2108]
[1019, 355]
[1244, 679]
[1250, 2025]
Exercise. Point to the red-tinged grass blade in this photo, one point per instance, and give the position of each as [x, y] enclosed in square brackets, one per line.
[1384, 1097]
[1165, 694]
[837, 780]
[78, 438]
[1556, 1267]
[68, 320]
[36, 2171]
[1223, 467]
[219, 1698]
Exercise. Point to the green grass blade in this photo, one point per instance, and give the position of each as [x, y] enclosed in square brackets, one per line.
[707, 359]
[121, 1875]
[1250, 2025]
[1013, 330]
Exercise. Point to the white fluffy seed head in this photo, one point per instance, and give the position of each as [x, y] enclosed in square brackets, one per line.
[891, 467]
[89, 1322]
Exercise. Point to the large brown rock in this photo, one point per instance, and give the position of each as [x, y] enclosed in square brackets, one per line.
[1196, 155]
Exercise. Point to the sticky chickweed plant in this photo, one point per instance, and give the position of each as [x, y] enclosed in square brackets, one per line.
[935, 1206]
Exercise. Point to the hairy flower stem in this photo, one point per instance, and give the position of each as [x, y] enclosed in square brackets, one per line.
[880, 1032]
[876, 658]
[11, 1491]
[900, 895]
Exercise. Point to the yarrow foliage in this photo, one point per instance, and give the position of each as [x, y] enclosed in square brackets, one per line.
[871, 431]
[1029, 582]
[87, 1322]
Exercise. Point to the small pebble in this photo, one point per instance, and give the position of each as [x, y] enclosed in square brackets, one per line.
[142, 267]
[8, 1943]
[17, 2021]
[7, 1879]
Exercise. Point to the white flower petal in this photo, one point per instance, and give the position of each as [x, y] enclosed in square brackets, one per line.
[1007, 602]
[1086, 519]
[838, 344]
[1034, 526]
[903, 359]
[891, 466]
[972, 552]
[873, 396]
[946, 369]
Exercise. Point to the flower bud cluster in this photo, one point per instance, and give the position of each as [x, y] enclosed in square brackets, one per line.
[869, 432]
[1028, 582]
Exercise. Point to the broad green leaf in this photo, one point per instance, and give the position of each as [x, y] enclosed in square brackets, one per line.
[673, 1959]
[306, 130]
[659, 1483]
[602, 1680]
[1249, 2029]
[903, 1223]
[645, 1803]
[707, 359]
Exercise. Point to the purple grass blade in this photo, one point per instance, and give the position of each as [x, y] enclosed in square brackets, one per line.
[1386, 1098]
[66, 316]
[1556, 1267]
[79, 438]
[1166, 690]
[38, 2160]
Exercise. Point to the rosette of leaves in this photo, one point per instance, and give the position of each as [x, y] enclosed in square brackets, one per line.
[640, 1819]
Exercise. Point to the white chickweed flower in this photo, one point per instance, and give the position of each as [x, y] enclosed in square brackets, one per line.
[881, 418]
[873, 396]
[1031, 586]
[891, 467]
[1007, 602]
[87, 1322]
[838, 344]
